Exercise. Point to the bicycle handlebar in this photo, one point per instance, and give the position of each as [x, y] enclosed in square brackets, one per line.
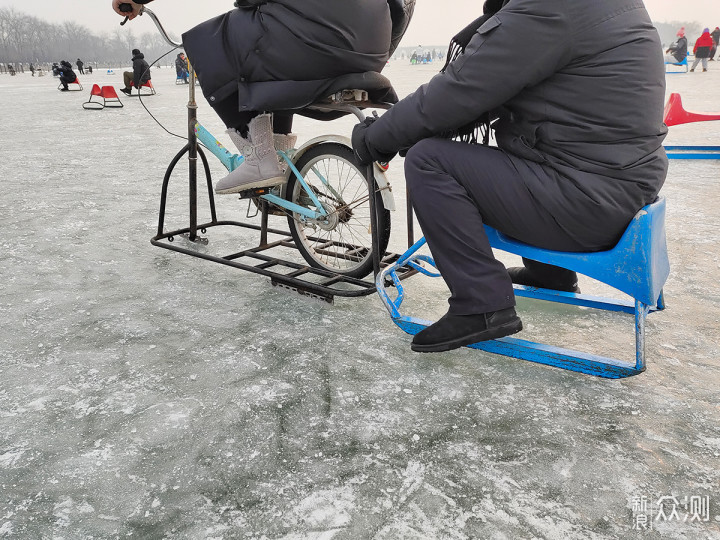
[126, 8]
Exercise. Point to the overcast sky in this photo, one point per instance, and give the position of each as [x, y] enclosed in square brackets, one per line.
[435, 21]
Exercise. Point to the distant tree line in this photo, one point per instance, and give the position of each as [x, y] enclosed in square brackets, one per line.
[25, 39]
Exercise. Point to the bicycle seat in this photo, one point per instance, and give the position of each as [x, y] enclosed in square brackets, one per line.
[362, 90]
[324, 99]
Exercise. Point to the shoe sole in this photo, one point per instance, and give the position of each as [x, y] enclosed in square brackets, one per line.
[507, 329]
[276, 181]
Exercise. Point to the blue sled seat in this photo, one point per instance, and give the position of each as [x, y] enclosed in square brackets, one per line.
[638, 266]
[683, 63]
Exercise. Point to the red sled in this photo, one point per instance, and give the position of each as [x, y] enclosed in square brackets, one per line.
[108, 96]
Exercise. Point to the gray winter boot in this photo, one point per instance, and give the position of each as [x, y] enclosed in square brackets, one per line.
[261, 167]
[284, 143]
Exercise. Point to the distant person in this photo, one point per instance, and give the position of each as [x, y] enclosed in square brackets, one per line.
[181, 67]
[678, 50]
[90, 69]
[32, 69]
[67, 75]
[139, 75]
[715, 34]
[702, 50]
[80, 65]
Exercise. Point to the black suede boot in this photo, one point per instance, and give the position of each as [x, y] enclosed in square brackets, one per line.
[454, 331]
[545, 276]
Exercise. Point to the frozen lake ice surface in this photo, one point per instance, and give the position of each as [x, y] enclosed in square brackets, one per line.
[148, 394]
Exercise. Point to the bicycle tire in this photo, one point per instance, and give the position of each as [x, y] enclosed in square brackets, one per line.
[342, 243]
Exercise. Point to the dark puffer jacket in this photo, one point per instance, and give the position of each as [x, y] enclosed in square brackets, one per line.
[141, 70]
[67, 75]
[588, 105]
[280, 54]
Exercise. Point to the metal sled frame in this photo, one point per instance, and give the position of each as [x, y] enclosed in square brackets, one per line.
[306, 280]
[683, 63]
[693, 152]
[263, 258]
[638, 266]
[109, 98]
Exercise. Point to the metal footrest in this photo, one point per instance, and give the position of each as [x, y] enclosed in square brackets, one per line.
[308, 281]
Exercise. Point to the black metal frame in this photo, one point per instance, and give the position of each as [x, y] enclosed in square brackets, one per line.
[329, 284]
[110, 103]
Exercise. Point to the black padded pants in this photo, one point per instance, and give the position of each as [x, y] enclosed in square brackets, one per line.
[229, 113]
[455, 188]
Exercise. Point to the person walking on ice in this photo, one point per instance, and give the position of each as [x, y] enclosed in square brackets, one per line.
[702, 49]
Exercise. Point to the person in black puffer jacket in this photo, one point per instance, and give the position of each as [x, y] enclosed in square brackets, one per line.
[279, 56]
[67, 75]
[579, 131]
[139, 75]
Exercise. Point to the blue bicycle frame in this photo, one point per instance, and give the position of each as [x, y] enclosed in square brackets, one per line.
[232, 161]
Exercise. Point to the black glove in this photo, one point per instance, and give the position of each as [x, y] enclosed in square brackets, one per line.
[364, 154]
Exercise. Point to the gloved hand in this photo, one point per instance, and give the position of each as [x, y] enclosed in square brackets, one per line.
[363, 152]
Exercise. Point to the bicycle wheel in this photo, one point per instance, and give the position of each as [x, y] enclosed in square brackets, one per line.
[341, 241]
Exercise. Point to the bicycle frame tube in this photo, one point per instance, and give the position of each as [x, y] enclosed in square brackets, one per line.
[229, 160]
[232, 161]
[321, 209]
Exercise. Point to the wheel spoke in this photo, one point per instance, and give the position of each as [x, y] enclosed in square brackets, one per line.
[341, 241]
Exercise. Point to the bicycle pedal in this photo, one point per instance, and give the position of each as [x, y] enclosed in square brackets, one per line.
[253, 193]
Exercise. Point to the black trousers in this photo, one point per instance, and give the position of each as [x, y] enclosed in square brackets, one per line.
[455, 188]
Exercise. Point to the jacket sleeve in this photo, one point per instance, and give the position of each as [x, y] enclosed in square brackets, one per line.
[137, 72]
[493, 69]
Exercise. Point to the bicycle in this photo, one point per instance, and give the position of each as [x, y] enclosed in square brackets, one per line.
[340, 230]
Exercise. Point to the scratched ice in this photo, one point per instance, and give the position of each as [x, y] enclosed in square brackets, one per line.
[148, 394]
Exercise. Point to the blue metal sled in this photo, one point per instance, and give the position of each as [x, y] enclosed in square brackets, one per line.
[638, 266]
[693, 152]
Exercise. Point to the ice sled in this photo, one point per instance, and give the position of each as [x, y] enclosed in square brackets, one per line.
[74, 86]
[108, 96]
[637, 266]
